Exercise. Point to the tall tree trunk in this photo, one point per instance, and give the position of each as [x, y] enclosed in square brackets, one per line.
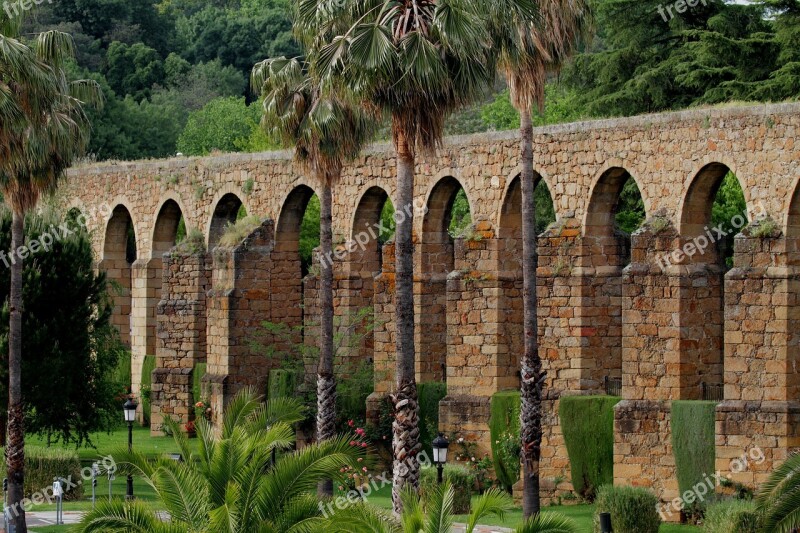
[532, 376]
[326, 382]
[15, 449]
[405, 441]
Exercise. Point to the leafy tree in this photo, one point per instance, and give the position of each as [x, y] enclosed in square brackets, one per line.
[630, 209]
[43, 129]
[560, 106]
[309, 233]
[224, 124]
[231, 484]
[70, 344]
[134, 69]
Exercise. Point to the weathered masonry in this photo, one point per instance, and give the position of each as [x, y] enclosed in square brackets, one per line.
[607, 308]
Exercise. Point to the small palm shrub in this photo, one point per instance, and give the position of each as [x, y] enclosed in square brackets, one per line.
[778, 499]
[731, 516]
[461, 479]
[231, 485]
[633, 509]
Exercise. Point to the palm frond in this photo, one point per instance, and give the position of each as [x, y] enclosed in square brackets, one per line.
[117, 516]
[492, 502]
[440, 510]
[548, 523]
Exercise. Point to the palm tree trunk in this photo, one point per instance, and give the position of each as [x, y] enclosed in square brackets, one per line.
[532, 377]
[405, 442]
[15, 449]
[326, 382]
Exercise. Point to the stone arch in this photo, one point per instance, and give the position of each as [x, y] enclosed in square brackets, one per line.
[792, 222]
[367, 254]
[226, 210]
[604, 201]
[698, 201]
[116, 261]
[287, 230]
[437, 261]
[165, 228]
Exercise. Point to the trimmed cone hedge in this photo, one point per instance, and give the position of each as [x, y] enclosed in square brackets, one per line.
[587, 423]
[692, 424]
[148, 365]
[504, 427]
[430, 394]
[198, 372]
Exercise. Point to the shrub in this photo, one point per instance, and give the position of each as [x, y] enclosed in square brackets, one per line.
[44, 464]
[587, 423]
[693, 445]
[731, 516]
[352, 391]
[461, 479]
[197, 378]
[632, 509]
[504, 430]
[122, 372]
[281, 384]
[148, 366]
[236, 233]
[430, 394]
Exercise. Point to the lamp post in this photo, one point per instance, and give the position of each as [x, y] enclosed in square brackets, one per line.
[440, 445]
[130, 415]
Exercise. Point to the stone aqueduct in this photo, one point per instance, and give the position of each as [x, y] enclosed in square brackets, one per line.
[665, 333]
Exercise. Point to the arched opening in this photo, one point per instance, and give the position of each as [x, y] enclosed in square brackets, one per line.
[373, 226]
[296, 236]
[615, 211]
[119, 252]
[229, 209]
[448, 218]
[714, 211]
[509, 257]
[165, 231]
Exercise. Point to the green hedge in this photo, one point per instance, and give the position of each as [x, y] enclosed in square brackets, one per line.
[430, 394]
[122, 373]
[462, 480]
[148, 365]
[281, 384]
[199, 370]
[731, 516]
[44, 464]
[504, 430]
[587, 423]
[632, 509]
[692, 424]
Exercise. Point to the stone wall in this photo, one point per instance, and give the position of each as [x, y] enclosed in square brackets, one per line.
[609, 305]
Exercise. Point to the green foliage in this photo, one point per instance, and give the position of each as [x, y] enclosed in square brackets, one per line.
[42, 465]
[198, 372]
[729, 203]
[224, 124]
[561, 106]
[460, 216]
[309, 232]
[548, 523]
[352, 392]
[235, 233]
[133, 70]
[388, 224]
[281, 384]
[731, 516]
[460, 478]
[587, 423]
[69, 343]
[630, 209]
[429, 395]
[632, 509]
[693, 444]
[778, 499]
[121, 374]
[230, 483]
[504, 429]
[148, 365]
[545, 210]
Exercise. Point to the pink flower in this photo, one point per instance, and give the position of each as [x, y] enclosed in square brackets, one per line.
[350, 423]
[363, 444]
[352, 443]
[364, 469]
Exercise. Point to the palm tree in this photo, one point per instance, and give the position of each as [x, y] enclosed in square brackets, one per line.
[43, 128]
[231, 484]
[417, 61]
[778, 499]
[530, 49]
[435, 515]
[326, 131]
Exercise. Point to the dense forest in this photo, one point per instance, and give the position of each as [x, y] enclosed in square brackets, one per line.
[175, 73]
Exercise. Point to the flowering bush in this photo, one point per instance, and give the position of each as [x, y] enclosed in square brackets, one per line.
[466, 454]
[190, 429]
[356, 476]
[202, 409]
